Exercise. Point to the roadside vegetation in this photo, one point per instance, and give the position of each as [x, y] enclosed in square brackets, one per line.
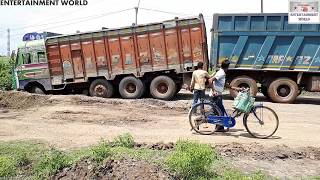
[187, 160]
[5, 73]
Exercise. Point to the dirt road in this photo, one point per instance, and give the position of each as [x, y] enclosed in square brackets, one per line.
[75, 121]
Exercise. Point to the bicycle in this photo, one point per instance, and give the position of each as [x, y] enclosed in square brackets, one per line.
[207, 113]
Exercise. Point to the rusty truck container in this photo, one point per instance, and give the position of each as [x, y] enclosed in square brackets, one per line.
[155, 56]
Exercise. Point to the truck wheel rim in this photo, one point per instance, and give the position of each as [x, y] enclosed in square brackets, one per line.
[283, 90]
[162, 88]
[100, 89]
[131, 88]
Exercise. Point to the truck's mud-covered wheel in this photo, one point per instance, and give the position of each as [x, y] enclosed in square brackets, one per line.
[131, 88]
[37, 90]
[283, 90]
[162, 87]
[101, 88]
[244, 81]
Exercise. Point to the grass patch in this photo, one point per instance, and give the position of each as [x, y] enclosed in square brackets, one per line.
[101, 151]
[51, 163]
[124, 140]
[188, 159]
[7, 166]
[231, 174]
[192, 160]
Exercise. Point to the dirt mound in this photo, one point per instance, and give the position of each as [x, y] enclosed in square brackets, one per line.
[259, 152]
[126, 168]
[18, 100]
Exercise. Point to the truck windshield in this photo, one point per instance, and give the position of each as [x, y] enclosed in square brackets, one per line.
[30, 58]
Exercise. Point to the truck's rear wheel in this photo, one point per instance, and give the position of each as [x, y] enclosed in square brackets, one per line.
[283, 90]
[163, 87]
[101, 88]
[244, 81]
[131, 88]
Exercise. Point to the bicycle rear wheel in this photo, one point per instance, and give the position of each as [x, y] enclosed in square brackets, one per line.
[262, 122]
[198, 117]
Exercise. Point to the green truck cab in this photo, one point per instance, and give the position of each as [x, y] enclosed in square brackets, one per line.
[31, 71]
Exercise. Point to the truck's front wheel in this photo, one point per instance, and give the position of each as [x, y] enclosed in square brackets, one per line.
[283, 90]
[131, 88]
[36, 90]
[101, 88]
[162, 87]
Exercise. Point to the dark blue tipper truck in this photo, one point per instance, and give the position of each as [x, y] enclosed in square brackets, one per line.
[268, 54]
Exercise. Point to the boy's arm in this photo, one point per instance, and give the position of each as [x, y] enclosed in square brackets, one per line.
[232, 87]
[214, 93]
[192, 82]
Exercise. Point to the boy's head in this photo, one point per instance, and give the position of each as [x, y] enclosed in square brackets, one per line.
[225, 64]
[200, 65]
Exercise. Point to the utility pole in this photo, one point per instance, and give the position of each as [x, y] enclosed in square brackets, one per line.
[261, 6]
[8, 43]
[137, 9]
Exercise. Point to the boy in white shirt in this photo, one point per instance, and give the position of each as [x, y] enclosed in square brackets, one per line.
[218, 84]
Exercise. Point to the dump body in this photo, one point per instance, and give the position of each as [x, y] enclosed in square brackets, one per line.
[265, 42]
[264, 48]
[175, 45]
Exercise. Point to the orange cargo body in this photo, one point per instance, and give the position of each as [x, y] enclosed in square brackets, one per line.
[175, 45]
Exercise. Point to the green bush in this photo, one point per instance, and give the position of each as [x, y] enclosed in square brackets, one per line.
[124, 140]
[51, 163]
[192, 160]
[7, 166]
[101, 151]
[5, 76]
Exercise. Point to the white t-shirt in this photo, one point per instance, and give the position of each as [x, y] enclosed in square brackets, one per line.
[220, 80]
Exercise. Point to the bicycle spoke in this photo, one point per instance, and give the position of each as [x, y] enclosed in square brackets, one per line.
[198, 117]
[262, 122]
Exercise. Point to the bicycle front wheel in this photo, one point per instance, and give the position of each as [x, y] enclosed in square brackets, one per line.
[198, 117]
[262, 122]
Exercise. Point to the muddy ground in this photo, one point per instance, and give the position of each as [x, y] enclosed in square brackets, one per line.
[74, 121]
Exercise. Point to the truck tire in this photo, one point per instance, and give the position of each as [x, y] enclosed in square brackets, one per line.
[36, 90]
[162, 87]
[131, 88]
[101, 88]
[244, 81]
[283, 90]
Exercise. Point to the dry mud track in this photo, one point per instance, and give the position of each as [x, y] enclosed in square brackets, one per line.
[74, 121]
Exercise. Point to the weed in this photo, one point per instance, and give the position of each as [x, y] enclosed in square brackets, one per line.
[124, 140]
[191, 160]
[51, 163]
[7, 166]
[101, 151]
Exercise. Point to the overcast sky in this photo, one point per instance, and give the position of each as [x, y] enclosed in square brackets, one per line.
[100, 13]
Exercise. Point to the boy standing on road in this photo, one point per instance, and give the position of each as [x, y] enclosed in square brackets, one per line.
[218, 84]
[198, 83]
